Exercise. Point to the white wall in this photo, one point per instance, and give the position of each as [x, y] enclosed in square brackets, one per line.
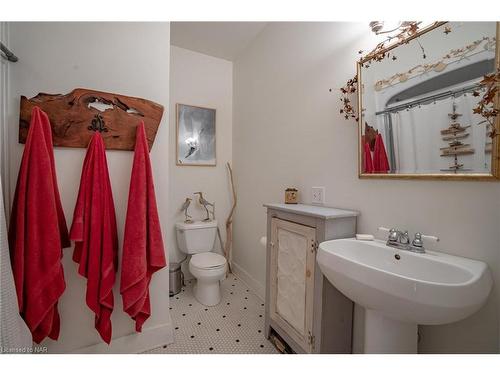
[206, 81]
[288, 132]
[126, 58]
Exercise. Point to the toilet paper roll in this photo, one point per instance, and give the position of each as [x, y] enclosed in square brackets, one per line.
[263, 241]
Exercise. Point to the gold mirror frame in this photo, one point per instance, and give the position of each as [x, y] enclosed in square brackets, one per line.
[495, 154]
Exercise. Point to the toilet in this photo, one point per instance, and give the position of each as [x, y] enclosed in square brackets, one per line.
[197, 239]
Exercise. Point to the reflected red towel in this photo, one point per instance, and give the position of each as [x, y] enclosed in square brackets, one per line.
[143, 252]
[380, 162]
[38, 232]
[367, 158]
[94, 232]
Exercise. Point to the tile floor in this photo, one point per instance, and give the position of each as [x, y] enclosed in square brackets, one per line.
[234, 326]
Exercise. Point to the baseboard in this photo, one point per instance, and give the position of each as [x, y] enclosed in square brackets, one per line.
[150, 338]
[253, 284]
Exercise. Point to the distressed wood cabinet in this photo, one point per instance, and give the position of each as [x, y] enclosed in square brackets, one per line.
[301, 305]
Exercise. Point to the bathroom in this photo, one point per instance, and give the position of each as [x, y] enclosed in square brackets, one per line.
[270, 92]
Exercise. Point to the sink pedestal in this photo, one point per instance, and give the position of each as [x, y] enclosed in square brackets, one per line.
[384, 335]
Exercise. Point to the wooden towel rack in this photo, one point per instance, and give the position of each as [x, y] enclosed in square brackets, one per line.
[75, 116]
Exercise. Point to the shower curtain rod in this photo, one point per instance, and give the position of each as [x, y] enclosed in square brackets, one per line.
[7, 53]
[431, 98]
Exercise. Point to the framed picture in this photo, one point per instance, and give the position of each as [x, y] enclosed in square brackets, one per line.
[195, 135]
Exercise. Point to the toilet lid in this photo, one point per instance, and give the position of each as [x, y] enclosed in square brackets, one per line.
[208, 260]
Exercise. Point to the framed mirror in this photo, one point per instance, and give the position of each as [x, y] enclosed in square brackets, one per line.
[417, 115]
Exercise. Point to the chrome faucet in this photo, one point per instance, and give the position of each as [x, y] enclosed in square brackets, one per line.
[401, 240]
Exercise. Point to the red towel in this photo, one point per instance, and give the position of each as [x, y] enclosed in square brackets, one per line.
[380, 162]
[367, 159]
[143, 252]
[94, 232]
[38, 233]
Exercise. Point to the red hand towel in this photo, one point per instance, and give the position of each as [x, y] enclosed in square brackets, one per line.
[96, 239]
[380, 162]
[143, 252]
[367, 158]
[38, 233]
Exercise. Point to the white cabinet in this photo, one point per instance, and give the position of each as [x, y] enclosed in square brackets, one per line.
[292, 279]
[302, 307]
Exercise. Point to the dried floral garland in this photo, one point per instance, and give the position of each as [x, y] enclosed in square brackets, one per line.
[452, 56]
[486, 107]
[406, 30]
[347, 109]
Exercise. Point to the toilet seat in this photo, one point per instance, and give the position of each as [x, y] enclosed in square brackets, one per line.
[208, 261]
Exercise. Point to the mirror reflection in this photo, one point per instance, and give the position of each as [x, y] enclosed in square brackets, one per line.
[417, 104]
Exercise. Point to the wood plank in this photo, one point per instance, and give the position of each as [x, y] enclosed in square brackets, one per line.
[458, 152]
[454, 148]
[455, 137]
[454, 129]
[453, 167]
[71, 116]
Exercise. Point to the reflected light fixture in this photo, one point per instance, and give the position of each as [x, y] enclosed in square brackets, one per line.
[384, 27]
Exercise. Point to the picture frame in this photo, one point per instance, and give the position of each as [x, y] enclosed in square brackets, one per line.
[195, 136]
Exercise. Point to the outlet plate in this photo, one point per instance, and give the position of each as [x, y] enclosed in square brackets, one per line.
[318, 195]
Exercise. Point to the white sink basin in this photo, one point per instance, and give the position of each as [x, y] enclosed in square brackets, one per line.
[430, 288]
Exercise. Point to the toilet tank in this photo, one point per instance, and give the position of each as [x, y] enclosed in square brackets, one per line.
[197, 237]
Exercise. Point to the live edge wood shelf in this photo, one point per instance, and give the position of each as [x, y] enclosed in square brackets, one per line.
[75, 116]
[302, 306]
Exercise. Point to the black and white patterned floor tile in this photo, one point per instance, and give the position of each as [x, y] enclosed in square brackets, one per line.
[235, 325]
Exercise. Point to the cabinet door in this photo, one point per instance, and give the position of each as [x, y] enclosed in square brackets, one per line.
[292, 280]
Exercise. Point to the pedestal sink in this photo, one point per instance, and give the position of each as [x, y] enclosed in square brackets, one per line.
[400, 289]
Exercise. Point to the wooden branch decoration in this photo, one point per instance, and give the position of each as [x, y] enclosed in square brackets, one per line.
[75, 116]
[229, 222]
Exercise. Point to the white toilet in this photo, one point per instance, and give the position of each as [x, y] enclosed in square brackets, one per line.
[197, 239]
